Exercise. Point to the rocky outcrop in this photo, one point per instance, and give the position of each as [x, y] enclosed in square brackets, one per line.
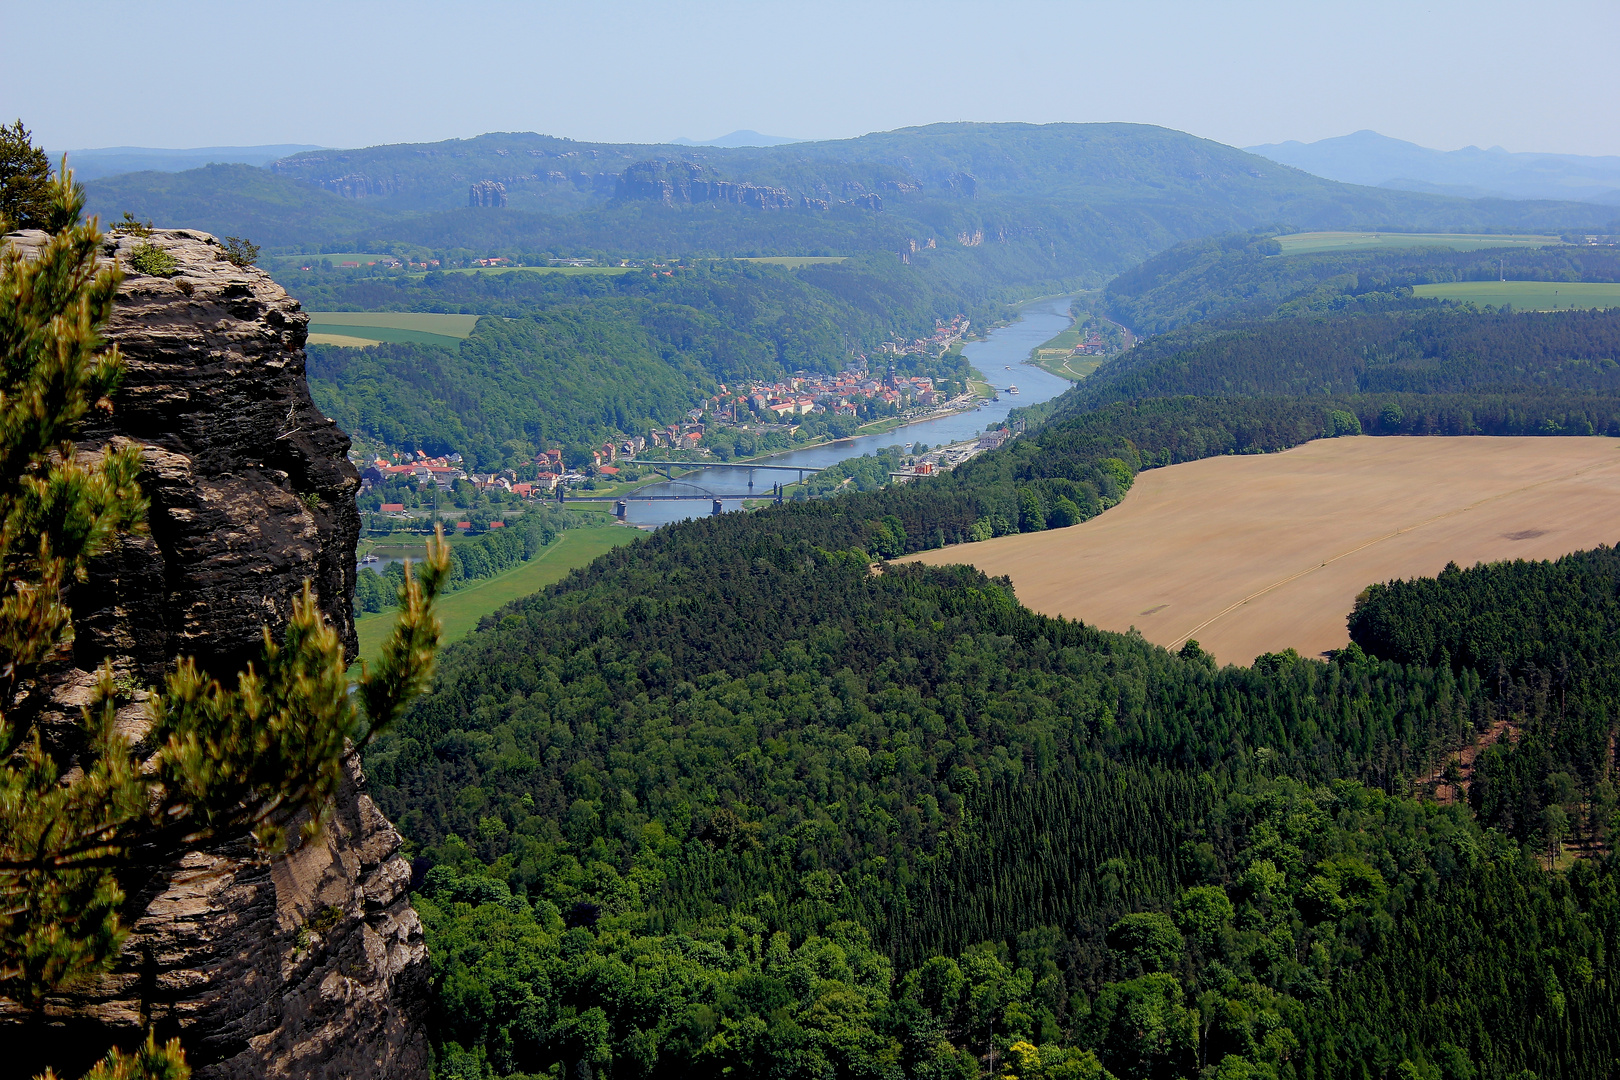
[311, 964]
[486, 193]
[689, 182]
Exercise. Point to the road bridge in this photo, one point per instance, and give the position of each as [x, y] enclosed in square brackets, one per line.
[621, 502]
[668, 467]
[730, 465]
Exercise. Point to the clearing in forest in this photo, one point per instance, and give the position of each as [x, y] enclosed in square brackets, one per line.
[1256, 554]
[1306, 243]
[1528, 295]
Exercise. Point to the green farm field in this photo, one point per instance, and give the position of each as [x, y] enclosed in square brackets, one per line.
[360, 328]
[1306, 243]
[460, 611]
[1528, 295]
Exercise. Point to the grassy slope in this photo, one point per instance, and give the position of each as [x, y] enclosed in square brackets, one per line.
[461, 610]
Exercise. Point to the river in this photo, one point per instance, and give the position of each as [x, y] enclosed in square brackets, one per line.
[1001, 356]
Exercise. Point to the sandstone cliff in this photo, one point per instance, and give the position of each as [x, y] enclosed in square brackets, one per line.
[312, 964]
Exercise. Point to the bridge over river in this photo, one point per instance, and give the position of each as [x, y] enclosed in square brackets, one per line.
[621, 503]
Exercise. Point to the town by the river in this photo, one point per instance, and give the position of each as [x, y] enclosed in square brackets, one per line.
[1000, 356]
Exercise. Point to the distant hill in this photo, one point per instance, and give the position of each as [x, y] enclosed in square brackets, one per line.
[1014, 206]
[744, 137]
[232, 200]
[112, 160]
[1367, 157]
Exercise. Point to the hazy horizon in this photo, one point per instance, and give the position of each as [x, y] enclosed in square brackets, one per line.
[368, 73]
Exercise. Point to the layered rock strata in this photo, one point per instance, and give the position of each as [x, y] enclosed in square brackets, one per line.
[311, 964]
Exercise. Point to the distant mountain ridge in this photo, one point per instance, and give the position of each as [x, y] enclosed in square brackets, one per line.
[1366, 157]
[112, 160]
[991, 206]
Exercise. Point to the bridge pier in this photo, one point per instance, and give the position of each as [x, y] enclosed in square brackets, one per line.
[718, 509]
[619, 509]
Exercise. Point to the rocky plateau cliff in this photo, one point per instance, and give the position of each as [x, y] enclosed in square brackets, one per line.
[310, 965]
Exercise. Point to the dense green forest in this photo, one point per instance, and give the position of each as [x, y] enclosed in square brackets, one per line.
[571, 360]
[1247, 276]
[730, 799]
[1443, 351]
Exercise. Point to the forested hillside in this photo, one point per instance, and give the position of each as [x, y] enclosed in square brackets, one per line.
[1438, 351]
[1247, 276]
[729, 799]
[572, 359]
[734, 798]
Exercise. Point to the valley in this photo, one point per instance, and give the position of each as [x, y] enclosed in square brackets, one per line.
[1184, 646]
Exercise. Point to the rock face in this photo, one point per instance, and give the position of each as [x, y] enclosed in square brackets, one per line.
[689, 182]
[311, 964]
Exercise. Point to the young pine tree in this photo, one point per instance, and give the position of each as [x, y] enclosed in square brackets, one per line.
[229, 760]
[25, 176]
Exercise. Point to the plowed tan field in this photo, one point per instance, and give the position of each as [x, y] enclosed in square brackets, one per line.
[1257, 554]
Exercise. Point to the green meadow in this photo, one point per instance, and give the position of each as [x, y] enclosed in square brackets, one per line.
[1528, 295]
[460, 611]
[359, 328]
[1306, 243]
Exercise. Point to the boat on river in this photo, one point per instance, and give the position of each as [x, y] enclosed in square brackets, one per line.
[1012, 389]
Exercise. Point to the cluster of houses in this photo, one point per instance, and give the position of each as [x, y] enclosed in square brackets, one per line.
[839, 394]
[944, 336]
[1091, 345]
[444, 472]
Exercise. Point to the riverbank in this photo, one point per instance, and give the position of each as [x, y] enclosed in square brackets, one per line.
[956, 406]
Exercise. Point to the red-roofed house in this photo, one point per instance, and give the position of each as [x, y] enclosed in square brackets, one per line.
[393, 508]
[497, 524]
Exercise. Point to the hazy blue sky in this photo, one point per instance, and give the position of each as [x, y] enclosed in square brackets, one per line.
[1527, 76]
